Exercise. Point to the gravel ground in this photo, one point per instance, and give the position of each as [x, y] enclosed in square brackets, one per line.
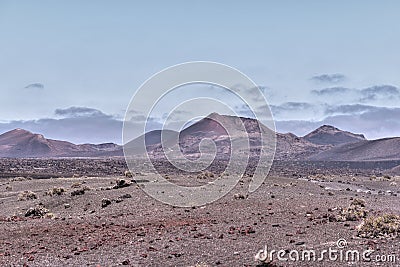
[292, 210]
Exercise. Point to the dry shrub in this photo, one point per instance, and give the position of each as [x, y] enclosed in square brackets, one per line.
[80, 191]
[358, 202]
[356, 211]
[385, 226]
[56, 191]
[27, 195]
[205, 175]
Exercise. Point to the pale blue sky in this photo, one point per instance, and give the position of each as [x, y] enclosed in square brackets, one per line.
[96, 53]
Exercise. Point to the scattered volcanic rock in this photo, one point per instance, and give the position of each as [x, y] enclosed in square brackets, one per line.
[329, 135]
[38, 211]
[78, 192]
[121, 183]
[105, 202]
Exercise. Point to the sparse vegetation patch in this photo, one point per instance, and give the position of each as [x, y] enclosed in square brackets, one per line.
[55, 191]
[205, 175]
[27, 195]
[385, 226]
[356, 211]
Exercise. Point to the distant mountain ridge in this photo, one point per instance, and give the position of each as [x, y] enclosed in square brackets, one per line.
[20, 143]
[327, 143]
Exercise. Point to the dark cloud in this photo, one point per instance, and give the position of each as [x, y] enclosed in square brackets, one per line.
[369, 94]
[349, 109]
[332, 91]
[74, 112]
[295, 105]
[376, 92]
[289, 107]
[329, 78]
[35, 86]
[382, 89]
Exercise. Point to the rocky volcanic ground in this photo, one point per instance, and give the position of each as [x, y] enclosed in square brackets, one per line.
[92, 215]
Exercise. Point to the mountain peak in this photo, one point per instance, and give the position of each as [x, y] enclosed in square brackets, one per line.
[327, 128]
[330, 135]
[16, 132]
[214, 115]
[19, 130]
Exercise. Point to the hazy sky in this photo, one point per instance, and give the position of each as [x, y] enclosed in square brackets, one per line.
[68, 69]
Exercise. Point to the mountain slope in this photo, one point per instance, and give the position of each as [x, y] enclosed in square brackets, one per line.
[292, 147]
[380, 149]
[393, 171]
[20, 143]
[329, 135]
[150, 139]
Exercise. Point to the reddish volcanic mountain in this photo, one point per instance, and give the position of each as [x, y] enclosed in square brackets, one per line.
[325, 143]
[329, 135]
[213, 126]
[216, 128]
[20, 143]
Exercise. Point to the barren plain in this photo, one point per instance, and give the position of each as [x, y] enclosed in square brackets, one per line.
[86, 212]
